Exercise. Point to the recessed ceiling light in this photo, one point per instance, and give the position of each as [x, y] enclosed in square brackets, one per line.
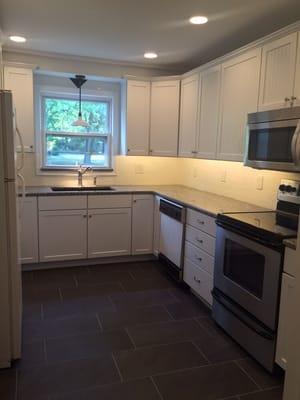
[198, 20]
[150, 55]
[18, 39]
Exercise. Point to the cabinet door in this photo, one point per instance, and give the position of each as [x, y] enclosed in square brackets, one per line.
[28, 230]
[278, 72]
[239, 96]
[156, 228]
[142, 224]
[297, 78]
[20, 82]
[209, 101]
[188, 116]
[138, 118]
[109, 232]
[287, 286]
[62, 235]
[164, 112]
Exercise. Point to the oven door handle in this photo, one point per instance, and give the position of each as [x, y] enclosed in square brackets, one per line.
[250, 237]
[295, 145]
[254, 326]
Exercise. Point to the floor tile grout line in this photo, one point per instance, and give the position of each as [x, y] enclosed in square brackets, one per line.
[60, 294]
[117, 367]
[156, 388]
[17, 384]
[164, 306]
[45, 350]
[201, 352]
[99, 322]
[247, 373]
[203, 328]
[75, 280]
[132, 276]
[130, 337]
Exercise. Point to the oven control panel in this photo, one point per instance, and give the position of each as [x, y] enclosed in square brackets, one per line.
[289, 191]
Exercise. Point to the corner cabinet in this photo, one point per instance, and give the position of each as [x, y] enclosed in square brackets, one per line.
[28, 230]
[278, 73]
[239, 96]
[138, 117]
[20, 82]
[209, 104]
[142, 224]
[164, 118]
[188, 116]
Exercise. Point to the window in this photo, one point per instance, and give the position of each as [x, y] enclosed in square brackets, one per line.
[66, 146]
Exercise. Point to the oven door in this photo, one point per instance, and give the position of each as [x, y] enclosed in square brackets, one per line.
[274, 145]
[249, 273]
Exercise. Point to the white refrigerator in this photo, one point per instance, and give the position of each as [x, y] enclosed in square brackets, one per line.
[10, 268]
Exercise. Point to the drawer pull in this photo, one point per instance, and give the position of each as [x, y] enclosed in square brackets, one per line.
[200, 222]
[197, 280]
[199, 258]
[199, 240]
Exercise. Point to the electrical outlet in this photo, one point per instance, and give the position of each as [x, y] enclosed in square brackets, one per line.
[139, 169]
[223, 176]
[260, 182]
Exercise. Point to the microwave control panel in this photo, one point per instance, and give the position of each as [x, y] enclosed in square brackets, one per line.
[289, 191]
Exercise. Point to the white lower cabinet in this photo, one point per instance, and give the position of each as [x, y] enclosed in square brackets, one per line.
[156, 227]
[142, 224]
[287, 287]
[109, 232]
[198, 280]
[28, 230]
[62, 235]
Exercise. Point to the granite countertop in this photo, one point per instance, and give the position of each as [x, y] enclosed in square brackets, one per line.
[291, 243]
[209, 203]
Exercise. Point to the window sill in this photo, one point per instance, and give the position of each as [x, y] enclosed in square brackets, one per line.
[73, 172]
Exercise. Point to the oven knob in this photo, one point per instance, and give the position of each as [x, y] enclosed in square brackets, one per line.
[282, 188]
[289, 189]
[293, 189]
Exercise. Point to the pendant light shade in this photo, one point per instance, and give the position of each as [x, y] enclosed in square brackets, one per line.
[78, 81]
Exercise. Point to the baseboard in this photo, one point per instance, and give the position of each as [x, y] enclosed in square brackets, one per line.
[88, 262]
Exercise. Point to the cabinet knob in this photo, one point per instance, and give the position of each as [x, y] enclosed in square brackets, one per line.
[90, 216]
[150, 151]
[84, 216]
[200, 222]
[197, 280]
[199, 240]
[128, 150]
[199, 258]
[286, 99]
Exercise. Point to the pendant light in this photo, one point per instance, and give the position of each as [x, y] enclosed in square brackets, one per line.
[78, 81]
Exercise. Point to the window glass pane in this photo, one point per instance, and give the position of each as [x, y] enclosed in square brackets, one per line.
[59, 114]
[70, 151]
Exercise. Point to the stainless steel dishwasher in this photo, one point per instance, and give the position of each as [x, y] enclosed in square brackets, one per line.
[172, 220]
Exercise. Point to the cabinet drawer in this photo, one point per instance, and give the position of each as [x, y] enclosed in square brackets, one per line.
[110, 201]
[62, 203]
[199, 280]
[201, 240]
[199, 258]
[201, 221]
[291, 262]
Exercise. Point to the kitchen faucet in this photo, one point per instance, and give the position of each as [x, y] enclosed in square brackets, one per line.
[81, 171]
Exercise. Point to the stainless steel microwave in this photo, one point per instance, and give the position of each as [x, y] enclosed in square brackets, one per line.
[273, 140]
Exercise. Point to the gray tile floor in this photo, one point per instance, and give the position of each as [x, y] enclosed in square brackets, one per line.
[125, 331]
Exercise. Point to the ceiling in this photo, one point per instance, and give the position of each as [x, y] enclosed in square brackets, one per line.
[122, 30]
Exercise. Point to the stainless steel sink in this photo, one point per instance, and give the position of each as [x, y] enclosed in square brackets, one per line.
[81, 188]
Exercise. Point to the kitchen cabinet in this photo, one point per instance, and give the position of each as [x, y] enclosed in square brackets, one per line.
[20, 82]
[138, 117]
[278, 73]
[209, 101]
[142, 224]
[109, 232]
[62, 235]
[28, 230]
[285, 319]
[188, 116]
[297, 77]
[156, 228]
[239, 96]
[164, 118]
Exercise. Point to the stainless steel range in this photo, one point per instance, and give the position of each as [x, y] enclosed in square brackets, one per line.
[248, 270]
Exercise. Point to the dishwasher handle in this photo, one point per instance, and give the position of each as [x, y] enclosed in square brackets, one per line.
[172, 210]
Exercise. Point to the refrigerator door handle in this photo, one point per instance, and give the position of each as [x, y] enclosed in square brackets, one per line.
[20, 167]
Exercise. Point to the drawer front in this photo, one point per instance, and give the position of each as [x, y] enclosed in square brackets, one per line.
[110, 201]
[201, 221]
[201, 240]
[291, 262]
[62, 203]
[198, 280]
[199, 258]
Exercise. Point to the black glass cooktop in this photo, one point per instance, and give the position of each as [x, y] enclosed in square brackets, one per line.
[271, 226]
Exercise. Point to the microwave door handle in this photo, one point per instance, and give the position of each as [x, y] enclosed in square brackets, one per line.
[295, 145]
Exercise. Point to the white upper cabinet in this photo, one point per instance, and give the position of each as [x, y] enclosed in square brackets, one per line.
[209, 101]
[297, 78]
[138, 117]
[20, 82]
[142, 224]
[188, 116]
[278, 73]
[239, 96]
[164, 118]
